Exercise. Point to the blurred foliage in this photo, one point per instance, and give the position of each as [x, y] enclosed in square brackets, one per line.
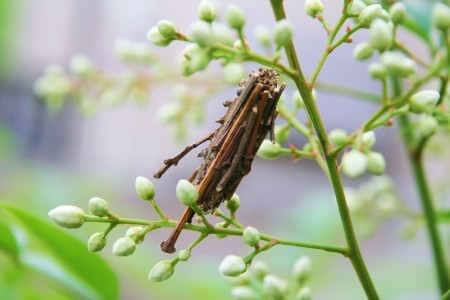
[7, 13]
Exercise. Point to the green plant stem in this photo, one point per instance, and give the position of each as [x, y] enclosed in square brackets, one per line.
[227, 219]
[305, 90]
[158, 210]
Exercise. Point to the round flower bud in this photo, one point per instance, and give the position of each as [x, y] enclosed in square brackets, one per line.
[397, 64]
[184, 255]
[282, 133]
[357, 6]
[369, 14]
[259, 269]
[98, 207]
[263, 36]
[274, 287]
[283, 32]
[304, 294]
[155, 37]
[221, 225]
[202, 34]
[244, 293]
[313, 7]
[423, 101]
[362, 51]
[223, 34]
[235, 17]
[441, 16]
[377, 70]
[232, 266]
[380, 35]
[397, 12]
[206, 11]
[233, 203]
[385, 16]
[81, 65]
[354, 164]
[233, 73]
[376, 164]
[338, 137]
[251, 236]
[269, 150]
[135, 234]
[186, 192]
[369, 139]
[428, 126]
[302, 269]
[145, 188]
[161, 271]
[166, 29]
[185, 70]
[96, 242]
[200, 60]
[124, 246]
[191, 50]
[308, 147]
[67, 216]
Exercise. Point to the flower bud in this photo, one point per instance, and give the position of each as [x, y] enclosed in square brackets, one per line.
[233, 203]
[376, 164]
[202, 34]
[282, 133]
[155, 37]
[251, 236]
[369, 14]
[67, 216]
[223, 34]
[184, 255]
[200, 60]
[145, 188]
[362, 51]
[161, 271]
[397, 64]
[302, 269]
[185, 70]
[134, 233]
[313, 7]
[338, 137]
[308, 147]
[124, 246]
[304, 294]
[244, 293]
[283, 32]
[232, 265]
[96, 242]
[354, 164]
[259, 269]
[98, 207]
[397, 12]
[233, 73]
[186, 192]
[428, 126]
[377, 70]
[235, 17]
[274, 287]
[206, 11]
[368, 139]
[380, 35]
[441, 16]
[221, 225]
[423, 101]
[357, 6]
[263, 36]
[81, 65]
[269, 150]
[385, 16]
[167, 29]
[191, 50]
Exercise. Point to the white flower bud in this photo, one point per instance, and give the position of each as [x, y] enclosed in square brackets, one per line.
[67, 216]
[376, 164]
[302, 269]
[96, 242]
[385, 16]
[184, 255]
[161, 271]
[377, 70]
[263, 36]
[135, 234]
[223, 34]
[354, 164]
[369, 14]
[81, 65]
[199, 60]
[232, 265]
[124, 246]
[313, 7]
[304, 294]
[202, 34]
[244, 293]
[423, 101]
[428, 126]
[397, 12]
[233, 203]
[251, 236]
[274, 287]
[380, 35]
[338, 137]
[441, 16]
[283, 32]
[155, 37]
[185, 70]
[191, 50]
[363, 51]
[357, 6]
[268, 150]
[145, 188]
[186, 192]
[233, 73]
[98, 207]
[259, 269]
[235, 17]
[369, 139]
[397, 64]
[206, 11]
[166, 29]
[282, 133]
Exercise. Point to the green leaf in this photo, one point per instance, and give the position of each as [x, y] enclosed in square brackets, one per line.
[8, 241]
[64, 259]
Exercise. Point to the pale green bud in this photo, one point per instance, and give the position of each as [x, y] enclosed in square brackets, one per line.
[259, 269]
[186, 69]
[169, 112]
[96, 242]
[363, 51]
[135, 234]
[338, 137]
[304, 294]
[67, 216]
[269, 150]
[428, 126]
[313, 7]
[354, 164]
[206, 11]
[244, 293]
[235, 17]
[155, 37]
[145, 188]
[441, 16]
[308, 147]
[221, 225]
[251, 236]
[238, 45]
[98, 207]
[233, 73]
[186, 192]
[263, 36]
[274, 287]
[191, 50]
[283, 32]
[377, 70]
[202, 34]
[376, 164]
[232, 266]
[161, 271]
[357, 6]
[397, 12]
[124, 246]
[302, 269]
[223, 34]
[385, 16]
[397, 64]
[423, 101]
[184, 255]
[200, 60]
[233, 203]
[369, 14]
[81, 65]
[369, 139]
[166, 29]
[380, 35]
[282, 133]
